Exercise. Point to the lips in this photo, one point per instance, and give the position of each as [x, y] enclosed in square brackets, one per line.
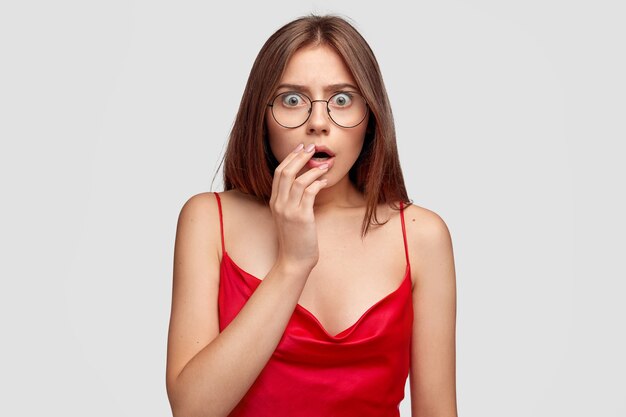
[324, 149]
[322, 155]
[312, 163]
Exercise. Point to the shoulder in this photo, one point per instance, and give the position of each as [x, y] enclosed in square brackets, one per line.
[200, 220]
[428, 238]
[424, 226]
[200, 210]
[204, 206]
[198, 224]
[198, 203]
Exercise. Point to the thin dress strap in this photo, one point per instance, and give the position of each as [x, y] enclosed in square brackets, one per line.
[219, 206]
[406, 248]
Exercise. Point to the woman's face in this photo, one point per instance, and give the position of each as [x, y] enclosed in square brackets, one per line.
[315, 68]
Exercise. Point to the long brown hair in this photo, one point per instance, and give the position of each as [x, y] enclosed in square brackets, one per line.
[248, 161]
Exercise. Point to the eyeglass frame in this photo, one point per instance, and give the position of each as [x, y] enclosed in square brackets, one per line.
[310, 111]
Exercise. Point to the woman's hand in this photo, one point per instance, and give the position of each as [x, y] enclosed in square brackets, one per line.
[291, 205]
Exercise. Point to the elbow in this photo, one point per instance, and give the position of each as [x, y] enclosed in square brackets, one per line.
[175, 401]
[181, 410]
[182, 407]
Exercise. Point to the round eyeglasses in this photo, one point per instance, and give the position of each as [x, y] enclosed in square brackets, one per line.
[292, 109]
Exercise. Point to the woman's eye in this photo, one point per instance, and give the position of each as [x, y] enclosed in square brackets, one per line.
[291, 100]
[342, 99]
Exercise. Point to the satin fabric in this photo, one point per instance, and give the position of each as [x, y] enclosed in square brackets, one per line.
[361, 371]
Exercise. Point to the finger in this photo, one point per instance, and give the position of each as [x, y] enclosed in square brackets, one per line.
[303, 181]
[308, 197]
[279, 168]
[288, 175]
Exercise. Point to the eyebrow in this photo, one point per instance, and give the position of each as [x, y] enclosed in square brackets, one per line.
[327, 88]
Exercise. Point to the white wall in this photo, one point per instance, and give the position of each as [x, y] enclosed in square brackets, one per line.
[510, 122]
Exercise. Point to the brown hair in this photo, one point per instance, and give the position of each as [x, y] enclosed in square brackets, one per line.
[249, 162]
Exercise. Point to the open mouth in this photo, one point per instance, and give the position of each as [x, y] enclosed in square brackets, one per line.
[320, 156]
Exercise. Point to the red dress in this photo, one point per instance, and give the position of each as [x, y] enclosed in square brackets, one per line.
[361, 371]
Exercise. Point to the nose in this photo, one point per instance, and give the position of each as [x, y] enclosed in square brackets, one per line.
[319, 121]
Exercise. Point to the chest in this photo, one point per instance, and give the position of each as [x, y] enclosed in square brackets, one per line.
[351, 276]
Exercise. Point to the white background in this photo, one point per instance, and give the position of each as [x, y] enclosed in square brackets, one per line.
[510, 123]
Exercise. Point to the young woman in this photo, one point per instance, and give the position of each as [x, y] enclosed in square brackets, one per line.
[287, 299]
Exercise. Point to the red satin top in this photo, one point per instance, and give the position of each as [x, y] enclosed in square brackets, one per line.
[359, 372]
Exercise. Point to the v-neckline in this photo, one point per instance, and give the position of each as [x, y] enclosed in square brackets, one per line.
[346, 332]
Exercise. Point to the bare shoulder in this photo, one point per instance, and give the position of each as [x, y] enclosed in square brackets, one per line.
[428, 237]
[198, 203]
[200, 216]
[203, 208]
[424, 226]
[198, 224]
[232, 198]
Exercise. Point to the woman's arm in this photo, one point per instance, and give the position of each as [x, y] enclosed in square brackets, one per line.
[208, 372]
[433, 355]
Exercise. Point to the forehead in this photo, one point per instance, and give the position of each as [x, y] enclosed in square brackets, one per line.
[317, 67]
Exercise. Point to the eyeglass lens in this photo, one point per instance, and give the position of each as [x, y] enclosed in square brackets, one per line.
[347, 109]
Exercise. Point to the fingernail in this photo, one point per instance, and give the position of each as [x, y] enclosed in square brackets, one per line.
[298, 148]
[323, 166]
[310, 147]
